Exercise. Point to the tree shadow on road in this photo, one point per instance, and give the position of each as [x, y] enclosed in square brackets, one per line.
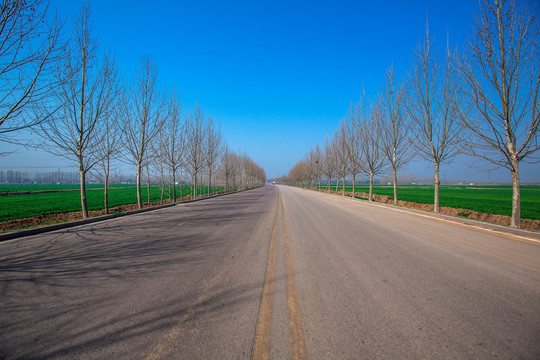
[69, 293]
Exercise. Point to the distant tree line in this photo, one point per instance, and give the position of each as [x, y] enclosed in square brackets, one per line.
[482, 101]
[40, 177]
[58, 177]
[70, 94]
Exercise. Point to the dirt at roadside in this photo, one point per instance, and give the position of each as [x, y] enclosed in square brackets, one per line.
[531, 225]
[72, 216]
[526, 224]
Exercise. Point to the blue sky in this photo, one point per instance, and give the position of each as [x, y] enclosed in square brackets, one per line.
[278, 75]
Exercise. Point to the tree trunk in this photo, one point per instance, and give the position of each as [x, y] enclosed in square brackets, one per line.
[337, 183]
[329, 181]
[209, 182]
[437, 183]
[84, 205]
[343, 185]
[516, 202]
[194, 186]
[139, 193]
[395, 186]
[148, 186]
[181, 187]
[173, 185]
[370, 186]
[353, 185]
[106, 192]
[162, 187]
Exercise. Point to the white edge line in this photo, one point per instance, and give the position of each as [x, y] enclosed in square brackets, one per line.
[357, 201]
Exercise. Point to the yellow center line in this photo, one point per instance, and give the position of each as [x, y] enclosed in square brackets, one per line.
[261, 346]
[296, 332]
[166, 344]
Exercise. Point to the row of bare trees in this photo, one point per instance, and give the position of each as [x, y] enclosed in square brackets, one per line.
[482, 102]
[71, 96]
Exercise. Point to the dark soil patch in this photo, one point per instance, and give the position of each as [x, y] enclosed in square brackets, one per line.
[526, 224]
[72, 216]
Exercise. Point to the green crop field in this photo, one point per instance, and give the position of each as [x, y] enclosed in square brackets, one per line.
[28, 205]
[491, 199]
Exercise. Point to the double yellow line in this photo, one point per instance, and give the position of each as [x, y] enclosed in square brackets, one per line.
[261, 346]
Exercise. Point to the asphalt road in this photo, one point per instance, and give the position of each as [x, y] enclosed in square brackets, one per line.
[275, 272]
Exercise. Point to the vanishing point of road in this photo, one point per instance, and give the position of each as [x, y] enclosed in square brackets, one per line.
[275, 272]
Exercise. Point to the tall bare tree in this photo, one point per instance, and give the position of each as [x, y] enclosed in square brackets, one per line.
[329, 161]
[173, 144]
[226, 165]
[86, 97]
[395, 139]
[195, 137]
[340, 139]
[236, 170]
[30, 48]
[158, 161]
[301, 172]
[502, 70]
[315, 158]
[244, 159]
[370, 135]
[108, 149]
[433, 105]
[253, 174]
[353, 143]
[144, 116]
[213, 148]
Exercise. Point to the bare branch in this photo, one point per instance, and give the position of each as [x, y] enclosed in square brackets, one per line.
[30, 48]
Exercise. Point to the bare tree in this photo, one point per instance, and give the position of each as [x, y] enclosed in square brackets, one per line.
[30, 48]
[214, 147]
[226, 165]
[433, 105]
[235, 168]
[195, 137]
[253, 174]
[173, 145]
[86, 98]
[108, 149]
[244, 159]
[315, 158]
[395, 139]
[329, 161]
[370, 134]
[501, 69]
[353, 144]
[301, 172]
[158, 162]
[340, 140]
[143, 118]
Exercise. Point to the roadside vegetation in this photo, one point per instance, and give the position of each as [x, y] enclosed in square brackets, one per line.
[489, 199]
[481, 101]
[61, 201]
[74, 103]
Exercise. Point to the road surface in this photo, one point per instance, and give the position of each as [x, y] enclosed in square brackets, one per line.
[275, 272]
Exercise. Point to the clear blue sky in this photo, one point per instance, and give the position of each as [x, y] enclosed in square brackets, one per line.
[278, 75]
